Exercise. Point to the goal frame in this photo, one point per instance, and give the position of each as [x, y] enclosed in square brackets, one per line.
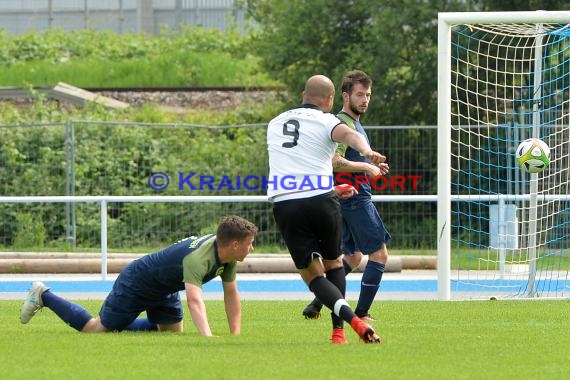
[446, 20]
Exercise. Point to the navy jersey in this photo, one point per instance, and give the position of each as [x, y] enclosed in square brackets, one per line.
[193, 260]
[364, 189]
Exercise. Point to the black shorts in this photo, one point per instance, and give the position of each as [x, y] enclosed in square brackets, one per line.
[310, 226]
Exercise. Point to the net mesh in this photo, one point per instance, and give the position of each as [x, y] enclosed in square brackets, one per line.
[510, 229]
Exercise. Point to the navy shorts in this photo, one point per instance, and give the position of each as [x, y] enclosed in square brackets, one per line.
[310, 227]
[363, 229]
[127, 301]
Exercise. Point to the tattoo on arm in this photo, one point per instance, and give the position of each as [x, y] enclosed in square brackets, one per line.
[339, 162]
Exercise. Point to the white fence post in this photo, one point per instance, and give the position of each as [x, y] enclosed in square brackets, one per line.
[103, 239]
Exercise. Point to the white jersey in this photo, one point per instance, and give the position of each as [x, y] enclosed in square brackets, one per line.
[300, 148]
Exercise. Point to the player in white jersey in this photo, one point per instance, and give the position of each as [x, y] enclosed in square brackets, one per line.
[310, 173]
[301, 144]
[363, 232]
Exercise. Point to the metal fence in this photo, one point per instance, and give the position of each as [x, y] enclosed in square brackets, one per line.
[81, 158]
[122, 16]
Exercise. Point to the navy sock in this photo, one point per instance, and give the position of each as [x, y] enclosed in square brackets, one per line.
[142, 324]
[369, 286]
[331, 297]
[72, 314]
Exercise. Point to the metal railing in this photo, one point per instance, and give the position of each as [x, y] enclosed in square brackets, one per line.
[103, 201]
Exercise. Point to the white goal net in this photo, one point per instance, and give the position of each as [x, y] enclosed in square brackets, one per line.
[504, 77]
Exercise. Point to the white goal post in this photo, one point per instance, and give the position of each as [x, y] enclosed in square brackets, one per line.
[502, 77]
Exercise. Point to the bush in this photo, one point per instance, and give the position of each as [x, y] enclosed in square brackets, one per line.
[31, 231]
[117, 159]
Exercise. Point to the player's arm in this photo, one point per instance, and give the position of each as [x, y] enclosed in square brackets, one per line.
[346, 135]
[233, 306]
[342, 165]
[197, 308]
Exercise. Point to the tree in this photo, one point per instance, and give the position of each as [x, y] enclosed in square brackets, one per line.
[301, 38]
[394, 41]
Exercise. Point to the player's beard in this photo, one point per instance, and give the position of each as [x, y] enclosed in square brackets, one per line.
[356, 110]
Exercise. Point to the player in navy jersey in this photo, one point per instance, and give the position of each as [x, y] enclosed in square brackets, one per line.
[152, 283]
[301, 144]
[363, 229]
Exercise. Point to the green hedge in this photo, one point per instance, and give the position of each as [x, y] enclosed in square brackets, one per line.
[185, 56]
[118, 160]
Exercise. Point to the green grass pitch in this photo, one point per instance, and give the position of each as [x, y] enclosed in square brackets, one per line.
[423, 340]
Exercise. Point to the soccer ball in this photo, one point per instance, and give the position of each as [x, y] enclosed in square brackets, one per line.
[533, 155]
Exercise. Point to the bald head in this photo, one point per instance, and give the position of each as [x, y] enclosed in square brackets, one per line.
[319, 90]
